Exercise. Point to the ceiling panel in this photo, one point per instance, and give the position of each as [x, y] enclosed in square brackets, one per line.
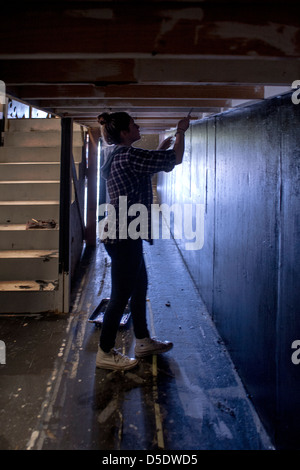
[155, 60]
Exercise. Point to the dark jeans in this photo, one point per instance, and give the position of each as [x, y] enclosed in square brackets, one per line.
[129, 281]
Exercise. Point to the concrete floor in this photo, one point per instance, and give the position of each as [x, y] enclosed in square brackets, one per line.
[52, 397]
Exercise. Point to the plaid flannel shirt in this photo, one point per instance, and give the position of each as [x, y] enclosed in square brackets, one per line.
[130, 175]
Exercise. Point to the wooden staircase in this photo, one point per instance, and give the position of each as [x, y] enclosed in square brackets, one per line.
[30, 189]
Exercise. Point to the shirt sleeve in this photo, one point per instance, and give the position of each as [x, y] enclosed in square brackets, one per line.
[148, 162]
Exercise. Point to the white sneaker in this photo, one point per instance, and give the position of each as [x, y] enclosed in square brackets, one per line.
[114, 360]
[147, 346]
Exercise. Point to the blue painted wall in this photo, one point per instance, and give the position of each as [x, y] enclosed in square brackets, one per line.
[244, 166]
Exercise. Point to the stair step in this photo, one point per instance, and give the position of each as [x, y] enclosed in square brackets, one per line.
[28, 286]
[29, 171]
[29, 125]
[29, 264]
[32, 139]
[17, 237]
[20, 212]
[35, 124]
[35, 154]
[27, 299]
[35, 171]
[29, 190]
[38, 139]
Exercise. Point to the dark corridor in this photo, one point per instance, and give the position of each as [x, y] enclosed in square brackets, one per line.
[53, 397]
[231, 307]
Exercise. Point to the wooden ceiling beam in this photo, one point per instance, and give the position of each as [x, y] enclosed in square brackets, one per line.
[87, 113]
[154, 59]
[52, 91]
[219, 70]
[137, 92]
[187, 28]
[22, 72]
[150, 128]
[139, 104]
[85, 72]
[180, 91]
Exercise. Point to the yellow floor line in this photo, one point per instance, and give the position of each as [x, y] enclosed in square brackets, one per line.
[157, 413]
[158, 420]
[152, 329]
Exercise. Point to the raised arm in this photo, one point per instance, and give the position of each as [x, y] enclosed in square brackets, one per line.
[182, 127]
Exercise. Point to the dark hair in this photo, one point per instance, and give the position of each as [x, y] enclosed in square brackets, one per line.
[112, 125]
